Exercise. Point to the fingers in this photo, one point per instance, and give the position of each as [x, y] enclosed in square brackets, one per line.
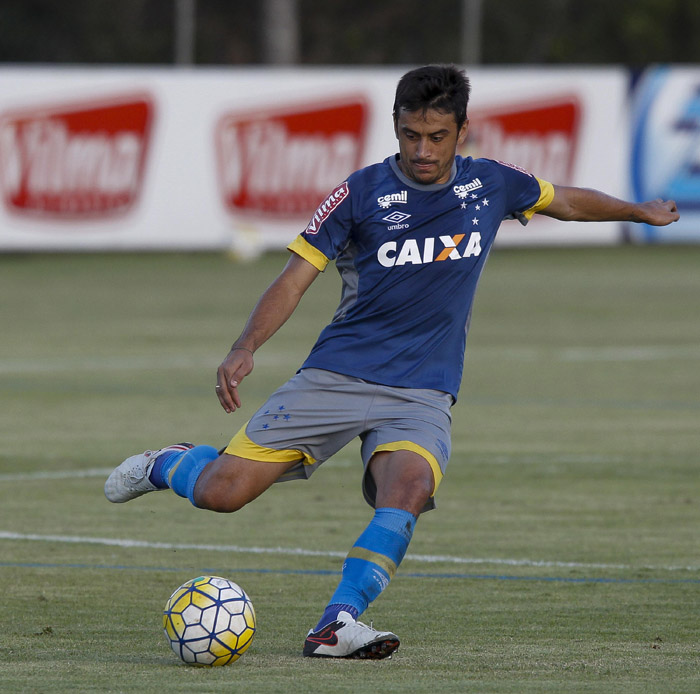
[227, 391]
[226, 397]
[237, 365]
[661, 212]
[670, 206]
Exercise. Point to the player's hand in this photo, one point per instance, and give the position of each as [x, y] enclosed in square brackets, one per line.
[658, 212]
[237, 365]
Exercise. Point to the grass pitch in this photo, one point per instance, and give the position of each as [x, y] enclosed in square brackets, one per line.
[563, 556]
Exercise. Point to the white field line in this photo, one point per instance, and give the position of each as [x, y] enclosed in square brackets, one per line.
[286, 551]
[300, 552]
[54, 475]
[632, 353]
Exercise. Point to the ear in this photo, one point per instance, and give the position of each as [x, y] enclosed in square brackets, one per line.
[462, 135]
[396, 126]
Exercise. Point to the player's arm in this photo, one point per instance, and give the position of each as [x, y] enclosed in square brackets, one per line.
[274, 307]
[587, 205]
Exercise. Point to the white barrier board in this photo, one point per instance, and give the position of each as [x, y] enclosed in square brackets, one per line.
[202, 159]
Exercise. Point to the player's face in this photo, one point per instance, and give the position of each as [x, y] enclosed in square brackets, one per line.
[428, 143]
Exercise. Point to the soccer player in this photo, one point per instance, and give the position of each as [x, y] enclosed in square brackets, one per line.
[409, 237]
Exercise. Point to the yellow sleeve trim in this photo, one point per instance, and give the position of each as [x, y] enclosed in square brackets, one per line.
[302, 247]
[410, 446]
[546, 197]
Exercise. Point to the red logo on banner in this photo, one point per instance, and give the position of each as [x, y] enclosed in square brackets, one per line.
[540, 138]
[285, 162]
[78, 161]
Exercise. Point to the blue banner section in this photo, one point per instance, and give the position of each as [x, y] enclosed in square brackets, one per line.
[665, 155]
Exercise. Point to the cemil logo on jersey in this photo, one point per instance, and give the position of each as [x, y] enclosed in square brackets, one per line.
[385, 201]
[284, 161]
[541, 137]
[78, 161]
[464, 190]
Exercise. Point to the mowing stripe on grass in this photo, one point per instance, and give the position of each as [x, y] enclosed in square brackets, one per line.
[630, 353]
[325, 572]
[300, 552]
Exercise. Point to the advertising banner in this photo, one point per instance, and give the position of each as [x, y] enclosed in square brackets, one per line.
[207, 159]
[665, 160]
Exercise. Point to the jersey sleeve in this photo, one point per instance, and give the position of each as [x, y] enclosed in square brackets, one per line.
[327, 233]
[526, 195]
[546, 197]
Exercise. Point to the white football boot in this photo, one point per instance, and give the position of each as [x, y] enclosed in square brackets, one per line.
[347, 638]
[130, 479]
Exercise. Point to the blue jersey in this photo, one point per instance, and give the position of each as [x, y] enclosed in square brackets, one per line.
[410, 257]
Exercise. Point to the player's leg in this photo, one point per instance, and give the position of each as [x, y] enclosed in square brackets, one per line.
[404, 483]
[228, 481]
[223, 483]
[405, 459]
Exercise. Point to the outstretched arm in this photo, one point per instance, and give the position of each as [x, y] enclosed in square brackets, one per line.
[588, 205]
[274, 307]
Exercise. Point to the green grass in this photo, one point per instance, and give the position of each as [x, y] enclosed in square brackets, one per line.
[564, 547]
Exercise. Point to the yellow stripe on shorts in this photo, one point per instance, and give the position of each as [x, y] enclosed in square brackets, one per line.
[415, 448]
[243, 447]
[382, 561]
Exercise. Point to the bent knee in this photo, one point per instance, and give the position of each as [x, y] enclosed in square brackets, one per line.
[403, 480]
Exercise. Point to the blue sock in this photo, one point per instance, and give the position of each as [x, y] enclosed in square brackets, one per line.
[180, 470]
[371, 563]
[332, 612]
[162, 466]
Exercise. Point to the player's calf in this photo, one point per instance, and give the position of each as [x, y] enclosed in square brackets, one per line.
[231, 482]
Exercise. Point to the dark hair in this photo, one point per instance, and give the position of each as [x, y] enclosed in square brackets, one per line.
[441, 87]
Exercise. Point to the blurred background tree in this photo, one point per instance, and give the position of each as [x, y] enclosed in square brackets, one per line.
[361, 32]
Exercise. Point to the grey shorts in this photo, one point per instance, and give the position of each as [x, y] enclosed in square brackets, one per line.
[317, 412]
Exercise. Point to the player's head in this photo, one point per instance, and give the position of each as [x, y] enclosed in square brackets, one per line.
[443, 88]
[430, 121]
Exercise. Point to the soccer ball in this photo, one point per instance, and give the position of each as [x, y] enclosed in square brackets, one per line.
[209, 621]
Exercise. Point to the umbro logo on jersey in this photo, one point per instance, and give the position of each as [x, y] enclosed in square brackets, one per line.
[396, 217]
[464, 190]
[396, 220]
[385, 201]
[429, 250]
